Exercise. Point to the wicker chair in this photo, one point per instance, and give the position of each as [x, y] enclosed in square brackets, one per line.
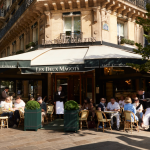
[21, 121]
[50, 111]
[100, 118]
[128, 123]
[4, 122]
[83, 118]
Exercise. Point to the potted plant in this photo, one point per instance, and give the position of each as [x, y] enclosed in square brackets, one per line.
[71, 116]
[127, 42]
[32, 117]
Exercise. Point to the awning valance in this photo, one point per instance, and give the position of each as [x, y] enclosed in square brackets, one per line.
[106, 56]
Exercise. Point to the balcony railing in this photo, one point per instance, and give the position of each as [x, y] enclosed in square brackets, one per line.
[15, 17]
[139, 3]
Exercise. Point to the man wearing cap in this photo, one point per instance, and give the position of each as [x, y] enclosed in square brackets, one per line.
[43, 108]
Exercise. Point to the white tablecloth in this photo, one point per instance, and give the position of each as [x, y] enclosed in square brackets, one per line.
[59, 107]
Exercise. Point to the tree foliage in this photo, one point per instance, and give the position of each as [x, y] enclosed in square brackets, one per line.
[143, 51]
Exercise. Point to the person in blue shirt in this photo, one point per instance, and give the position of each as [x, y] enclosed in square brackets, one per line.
[130, 107]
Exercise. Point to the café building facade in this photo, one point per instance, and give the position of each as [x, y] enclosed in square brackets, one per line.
[76, 44]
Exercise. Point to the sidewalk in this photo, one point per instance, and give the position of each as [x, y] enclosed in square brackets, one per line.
[51, 139]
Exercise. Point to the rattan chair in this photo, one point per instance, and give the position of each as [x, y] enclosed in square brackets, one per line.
[128, 123]
[21, 121]
[4, 122]
[100, 118]
[83, 118]
[50, 111]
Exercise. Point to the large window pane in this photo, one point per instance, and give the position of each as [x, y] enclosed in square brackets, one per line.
[77, 24]
[121, 29]
[67, 23]
[118, 29]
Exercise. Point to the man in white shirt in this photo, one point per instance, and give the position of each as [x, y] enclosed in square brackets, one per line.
[114, 106]
[19, 104]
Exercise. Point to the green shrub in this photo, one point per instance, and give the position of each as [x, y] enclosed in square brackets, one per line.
[27, 46]
[123, 41]
[71, 105]
[30, 44]
[20, 52]
[32, 105]
[127, 41]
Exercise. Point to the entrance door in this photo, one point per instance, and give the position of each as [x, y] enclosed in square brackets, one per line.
[70, 86]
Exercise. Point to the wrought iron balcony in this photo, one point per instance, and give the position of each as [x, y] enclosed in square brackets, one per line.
[71, 35]
[139, 3]
[16, 16]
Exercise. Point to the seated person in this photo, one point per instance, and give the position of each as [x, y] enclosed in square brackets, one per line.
[7, 105]
[88, 106]
[18, 105]
[121, 102]
[32, 99]
[43, 109]
[114, 106]
[146, 116]
[130, 107]
[139, 108]
[102, 105]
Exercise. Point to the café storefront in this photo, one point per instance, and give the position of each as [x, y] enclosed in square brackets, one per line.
[82, 69]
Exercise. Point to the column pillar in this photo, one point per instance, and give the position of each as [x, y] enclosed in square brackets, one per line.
[96, 25]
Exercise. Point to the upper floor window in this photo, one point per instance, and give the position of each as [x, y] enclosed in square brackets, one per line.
[21, 42]
[3, 54]
[72, 24]
[14, 47]
[8, 51]
[120, 31]
[35, 32]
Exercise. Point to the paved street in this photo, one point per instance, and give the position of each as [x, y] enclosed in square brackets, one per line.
[45, 139]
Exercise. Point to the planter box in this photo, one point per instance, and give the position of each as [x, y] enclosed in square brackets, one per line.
[32, 119]
[71, 120]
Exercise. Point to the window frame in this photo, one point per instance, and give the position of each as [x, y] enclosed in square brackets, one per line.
[72, 21]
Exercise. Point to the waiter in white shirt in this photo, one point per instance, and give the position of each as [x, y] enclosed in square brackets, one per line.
[59, 101]
[114, 106]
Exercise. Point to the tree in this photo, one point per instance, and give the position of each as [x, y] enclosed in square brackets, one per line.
[144, 51]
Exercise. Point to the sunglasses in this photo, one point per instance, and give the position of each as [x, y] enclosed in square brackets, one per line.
[136, 100]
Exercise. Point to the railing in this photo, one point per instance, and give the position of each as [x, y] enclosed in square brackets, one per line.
[16, 16]
[139, 3]
[71, 35]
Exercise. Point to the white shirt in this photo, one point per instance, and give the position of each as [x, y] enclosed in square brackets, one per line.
[7, 105]
[59, 93]
[111, 106]
[140, 108]
[21, 104]
[121, 103]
